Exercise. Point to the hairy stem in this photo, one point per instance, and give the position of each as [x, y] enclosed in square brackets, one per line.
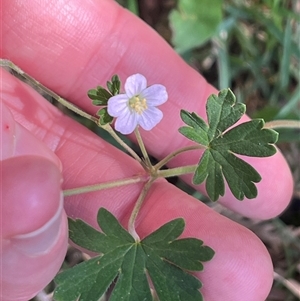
[69, 105]
[275, 124]
[35, 83]
[177, 171]
[111, 131]
[168, 158]
[106, 185]
[142, 147]
[136, 209]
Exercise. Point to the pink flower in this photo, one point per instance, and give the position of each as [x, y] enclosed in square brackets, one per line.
[138, 105]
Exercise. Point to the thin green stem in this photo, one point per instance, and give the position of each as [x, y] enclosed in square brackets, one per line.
[295, 124]
[142, 147]
[111, 131]
[38, 85]
[168, 158]
[177, 171]
[73, 108]
[69, 105]
[107, 185]
[136, 209]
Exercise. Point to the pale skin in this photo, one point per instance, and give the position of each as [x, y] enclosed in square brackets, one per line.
[72, 46]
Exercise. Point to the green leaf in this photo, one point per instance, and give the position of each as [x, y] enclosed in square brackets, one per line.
[197, 129]
[114, 85]
[222, 112]
[100, 96]
[193, 24]
[104, 116]
[249, 139]
[160, 257]
[218, 160]
[202, 169]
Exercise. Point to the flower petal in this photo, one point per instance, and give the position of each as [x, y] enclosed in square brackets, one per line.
[155, 95]
[127, 123]
[150, 118]
[135, 84]
[117, 105]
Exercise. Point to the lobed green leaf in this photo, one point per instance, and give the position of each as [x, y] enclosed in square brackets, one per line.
[100, 96]
[104, 117]
[186, 253]
[166, 233]
[171, 283]
[114, 85]
[132, 283]
[250, 139]
[83, 234]
[218, 161]
[197, 129]
[129, 263]
[222, 112]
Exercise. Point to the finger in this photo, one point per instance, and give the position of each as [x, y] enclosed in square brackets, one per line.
[18, 141]
[33, 226]
[88, 160]
[241, 268]
[72, 47]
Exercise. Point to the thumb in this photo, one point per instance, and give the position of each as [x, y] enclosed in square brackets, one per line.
[33, 226]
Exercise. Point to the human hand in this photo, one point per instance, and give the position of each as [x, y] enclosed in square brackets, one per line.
[34, 231]
[71, 48]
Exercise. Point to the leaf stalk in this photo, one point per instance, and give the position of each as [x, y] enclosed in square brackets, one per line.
[136, 209]
[172, 155]
[275, 124]
[177, 171]
[107, 185]
[39, 86]
[143, 148]
[8, 64]
[111, 131]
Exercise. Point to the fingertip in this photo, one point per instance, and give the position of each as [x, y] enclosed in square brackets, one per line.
[31, 194]
[274, 191]
[41, 240]
[241, 268]
[34, 231]
[27, 274]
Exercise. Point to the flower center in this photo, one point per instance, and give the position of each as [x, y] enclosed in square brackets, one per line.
[138, 104]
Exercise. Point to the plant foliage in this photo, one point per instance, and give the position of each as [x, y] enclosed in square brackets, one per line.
[221, 143]
[128, 264]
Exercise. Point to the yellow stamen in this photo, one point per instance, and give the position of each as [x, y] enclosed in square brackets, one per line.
[138, 104]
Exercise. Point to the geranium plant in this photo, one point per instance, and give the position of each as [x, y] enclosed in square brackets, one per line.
[161, 265]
